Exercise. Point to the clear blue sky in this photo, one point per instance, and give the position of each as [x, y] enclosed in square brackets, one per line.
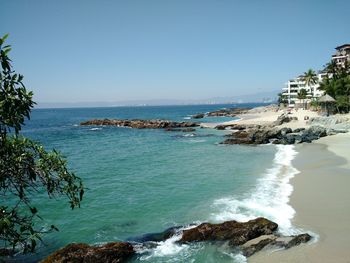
[82, 51]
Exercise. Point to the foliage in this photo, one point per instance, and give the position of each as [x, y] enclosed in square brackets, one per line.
[282, 99]
[26, 169]
[337, 85]
[302, 96]
[314, 104]
[310, 78]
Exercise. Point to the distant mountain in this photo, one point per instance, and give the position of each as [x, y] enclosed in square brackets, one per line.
[264, 97]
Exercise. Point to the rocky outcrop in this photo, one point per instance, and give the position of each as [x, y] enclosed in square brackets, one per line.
[236, 233]
[114, 252]
[236, 126]
[275, 135]
[250, 237]
[284, 118]
[230, 112]
[273, 241]
[140, 124]
[227, 112]
[333, 124]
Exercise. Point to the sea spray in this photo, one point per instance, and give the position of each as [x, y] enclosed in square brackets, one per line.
[270, 197]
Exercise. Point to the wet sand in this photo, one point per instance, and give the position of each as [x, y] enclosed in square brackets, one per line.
[321, 199]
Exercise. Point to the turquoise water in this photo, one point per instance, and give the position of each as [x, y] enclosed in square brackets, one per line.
[143, 181]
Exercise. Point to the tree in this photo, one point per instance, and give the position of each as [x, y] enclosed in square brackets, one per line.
[337, 85]
[302, 96]
[310, 78]
[25, 167]
[282, 99]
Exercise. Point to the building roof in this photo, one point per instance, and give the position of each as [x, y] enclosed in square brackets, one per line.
[342, 46]
[326, 98]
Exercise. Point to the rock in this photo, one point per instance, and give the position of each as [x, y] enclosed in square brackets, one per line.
[230, 112]
[267, 134]
[181, 130]
[156, 237]
[297, 240]
[285, 131]
[252, 246]
[188, 130]
[298, 130]
[283, 119]
[198, 116]
[114, 252]
[236, 126]
[256, 135]
[235, 232]
[140, 124]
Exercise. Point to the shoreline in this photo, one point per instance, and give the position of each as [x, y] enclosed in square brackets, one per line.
[321, 200]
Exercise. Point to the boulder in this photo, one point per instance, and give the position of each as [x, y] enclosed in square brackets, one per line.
[284, 118]
[235, 232]
[273, 241]
[252, 246]
[114, 252]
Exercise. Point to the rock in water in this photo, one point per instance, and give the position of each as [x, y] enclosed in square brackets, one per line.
[198, 116]
[140, 124]
[114, 252]
[235, 232]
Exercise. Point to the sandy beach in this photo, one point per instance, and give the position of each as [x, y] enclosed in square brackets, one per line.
[321, 199]
[321, 193]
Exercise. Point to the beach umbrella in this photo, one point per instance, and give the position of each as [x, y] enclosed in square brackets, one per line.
[326, 100]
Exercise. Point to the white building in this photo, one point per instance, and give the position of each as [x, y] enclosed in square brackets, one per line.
[293, 87]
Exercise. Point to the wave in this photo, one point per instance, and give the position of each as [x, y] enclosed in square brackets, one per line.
[95, 129]
[269, 199]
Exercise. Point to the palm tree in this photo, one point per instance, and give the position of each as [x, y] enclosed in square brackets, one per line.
[311, 79]
[302, 96]
[332, 68]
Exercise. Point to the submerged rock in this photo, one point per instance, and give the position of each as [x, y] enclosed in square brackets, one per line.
[114, 252]
[198, 116]
[140, 124]
[181, 130]
[235, 232]
[156, 237]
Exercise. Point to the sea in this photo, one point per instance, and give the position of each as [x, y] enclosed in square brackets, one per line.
[141, 181]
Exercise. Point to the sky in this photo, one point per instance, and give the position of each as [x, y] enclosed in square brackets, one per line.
[86, 51]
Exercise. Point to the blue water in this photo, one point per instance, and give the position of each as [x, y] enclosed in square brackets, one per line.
[142, 181]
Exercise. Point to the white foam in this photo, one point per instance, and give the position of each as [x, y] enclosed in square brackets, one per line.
[95, 129]
[269, 199]
[166, 248]
[187, 118]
